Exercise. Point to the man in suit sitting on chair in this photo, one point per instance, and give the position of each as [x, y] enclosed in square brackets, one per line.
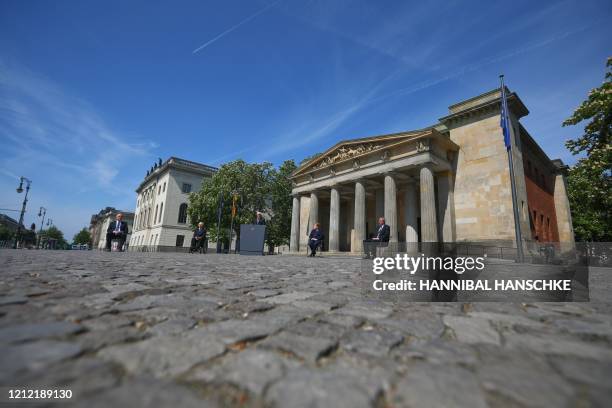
[198, 241]
[117, 230]
[381, 238]
[315, 239]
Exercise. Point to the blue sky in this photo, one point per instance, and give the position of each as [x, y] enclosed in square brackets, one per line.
[91, 93]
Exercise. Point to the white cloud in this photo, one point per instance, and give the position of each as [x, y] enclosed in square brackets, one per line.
[42, 123]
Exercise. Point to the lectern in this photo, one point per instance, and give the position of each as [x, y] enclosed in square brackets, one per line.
[252, 239]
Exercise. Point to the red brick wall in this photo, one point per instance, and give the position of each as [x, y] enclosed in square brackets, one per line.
[541, 201]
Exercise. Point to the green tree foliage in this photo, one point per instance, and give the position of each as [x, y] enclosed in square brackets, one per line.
[5, 233]
[589, 181]
[54, 233]
[252, 184]
[279, 226]
[82, 237]
[259, 187]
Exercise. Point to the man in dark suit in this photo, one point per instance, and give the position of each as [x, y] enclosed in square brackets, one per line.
[381, 238]
[384, 231]
[259, 219]
[315, 239]
[198, 241]
[117, 230]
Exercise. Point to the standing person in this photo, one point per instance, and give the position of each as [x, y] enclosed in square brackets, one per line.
[117, 230]
[199, 238]
[259, 219]
[315, 239]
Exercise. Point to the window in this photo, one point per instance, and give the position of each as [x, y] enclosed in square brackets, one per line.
[182, 216]
[161, 211]
[155, 217]
[164, 190]
[159, 190]
[186, 188]
[528, 168]
[179, 240]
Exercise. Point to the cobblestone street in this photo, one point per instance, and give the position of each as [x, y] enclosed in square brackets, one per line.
[168, 329]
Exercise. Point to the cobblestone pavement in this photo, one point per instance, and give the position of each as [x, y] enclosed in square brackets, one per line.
[180, 330]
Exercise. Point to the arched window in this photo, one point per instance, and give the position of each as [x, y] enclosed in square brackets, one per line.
[182, 217]
[161, 211]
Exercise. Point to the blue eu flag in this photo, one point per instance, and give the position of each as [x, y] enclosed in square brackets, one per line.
[505, 122]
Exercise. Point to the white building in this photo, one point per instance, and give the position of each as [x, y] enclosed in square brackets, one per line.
[161, 221]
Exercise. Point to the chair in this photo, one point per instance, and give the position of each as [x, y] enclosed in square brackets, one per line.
[320, 246]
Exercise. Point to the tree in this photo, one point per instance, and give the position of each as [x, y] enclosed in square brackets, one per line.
[5, 233]
[54, 233]
[82, 237]
[279, 227]
[251, 183]
[589, 181]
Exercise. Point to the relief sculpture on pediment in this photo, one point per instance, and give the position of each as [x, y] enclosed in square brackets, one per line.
[347, 152]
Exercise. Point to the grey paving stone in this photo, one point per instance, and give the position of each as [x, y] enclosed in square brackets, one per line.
[165, 356]
[40, 330]
[13, 300]
[523, 378]
[368, 310]
[472, 330]
[373, 342]
[309, 348]
[438, 352]
[424, 325]
[34, 356]
[311, 388]
[251, 369]
[146, 393]
[434, 386]
[291, 297]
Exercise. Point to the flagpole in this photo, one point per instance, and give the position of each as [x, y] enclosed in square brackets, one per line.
[508, 141]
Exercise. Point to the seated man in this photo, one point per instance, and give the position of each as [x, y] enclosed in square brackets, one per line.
[315, 239]
[259, 219]
[199, 239]
[117, 230]
[381, 238]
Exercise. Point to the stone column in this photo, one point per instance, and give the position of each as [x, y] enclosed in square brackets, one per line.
[360, 216]
[429, 227]
[446, 207]
[314, 211]
[410, 215]
[334, 220]
[391, 206]
[294, 242]
[564, 216]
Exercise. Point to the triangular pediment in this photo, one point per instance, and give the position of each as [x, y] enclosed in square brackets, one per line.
[353, 149]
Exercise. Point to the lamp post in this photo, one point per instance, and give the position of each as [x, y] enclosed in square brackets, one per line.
[23, 206]
[219, 212]
[41, 212]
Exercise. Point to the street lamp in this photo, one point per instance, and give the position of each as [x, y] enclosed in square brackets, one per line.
[41, 212]
[23, 206]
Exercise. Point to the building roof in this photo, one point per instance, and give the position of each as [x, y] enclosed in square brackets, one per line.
[8, 221]
[176, 162]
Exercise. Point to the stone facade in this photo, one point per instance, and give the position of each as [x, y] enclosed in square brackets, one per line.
[161, 222]
[446, 183]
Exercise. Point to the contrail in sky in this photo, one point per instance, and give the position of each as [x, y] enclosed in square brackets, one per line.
[234, 27]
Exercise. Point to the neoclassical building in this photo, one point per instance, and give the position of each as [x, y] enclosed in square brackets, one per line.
[161, 221]
[448, 182]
